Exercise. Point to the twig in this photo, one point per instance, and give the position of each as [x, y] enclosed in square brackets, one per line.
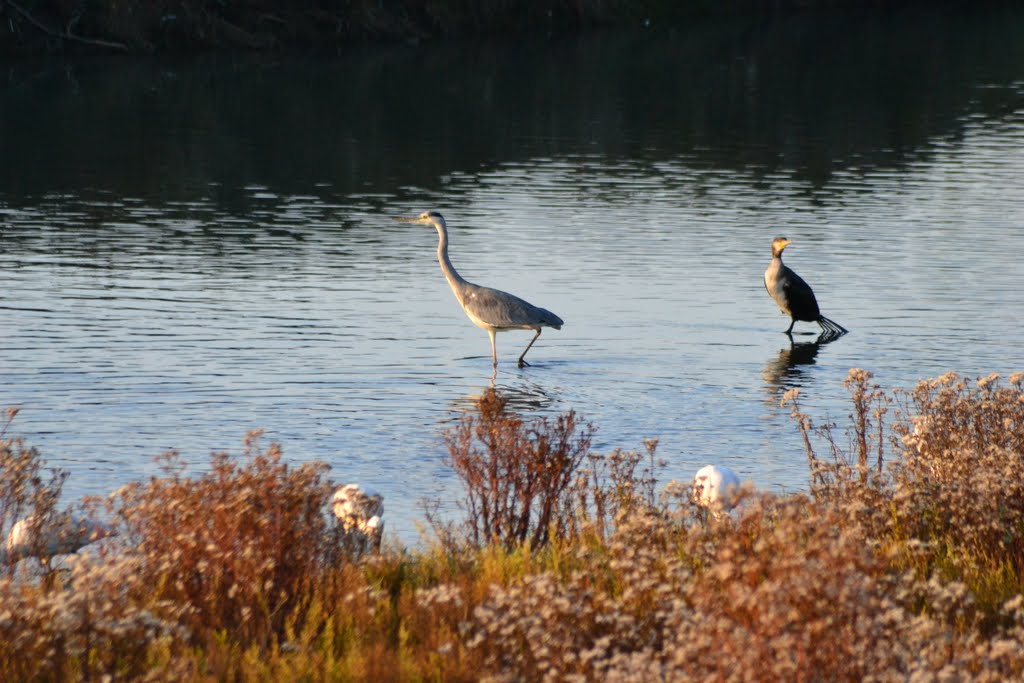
[63, 35]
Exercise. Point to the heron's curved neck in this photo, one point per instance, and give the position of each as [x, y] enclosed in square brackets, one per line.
[450, 274]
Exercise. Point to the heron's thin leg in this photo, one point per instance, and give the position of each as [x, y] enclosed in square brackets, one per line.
[790, 330]
[523, 363]
[494, 349]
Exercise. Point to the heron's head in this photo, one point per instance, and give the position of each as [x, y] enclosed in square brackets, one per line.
[426, 218]
[778, 244]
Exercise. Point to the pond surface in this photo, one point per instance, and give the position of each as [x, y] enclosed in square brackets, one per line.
[194, 249]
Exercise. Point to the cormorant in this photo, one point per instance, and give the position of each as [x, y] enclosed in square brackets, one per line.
[794, 296]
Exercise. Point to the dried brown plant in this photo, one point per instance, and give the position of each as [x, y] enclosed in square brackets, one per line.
[518, 477]
[614, 486]
[240, 546]
[960, 477]
[855, 468]
[946, 493]
[902, 562]
[92, 626]
[25, 490]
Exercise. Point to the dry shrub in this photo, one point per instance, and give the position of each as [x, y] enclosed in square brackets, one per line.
[614, 486]
[841, 585]
[901, 564]
[238, 570]
[77, 622]
[518, 477]
[943, 493]
[787, 593]
[24, 488]
[92, 626]
[578, 624]
[436, 617]
[542, 626]
[242, 547]
[796, 590]
[960, 481]
[784, 594]
[791, 593]
[954, 479]
[857, 469]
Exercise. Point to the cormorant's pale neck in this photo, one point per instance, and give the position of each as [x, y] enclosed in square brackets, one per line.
[777, 252]
[450, 274]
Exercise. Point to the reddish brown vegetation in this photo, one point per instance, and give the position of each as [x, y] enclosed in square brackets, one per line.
[902, 562]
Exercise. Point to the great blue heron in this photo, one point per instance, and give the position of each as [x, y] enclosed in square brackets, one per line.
[492, 309]
[794, 296]
[716, 488]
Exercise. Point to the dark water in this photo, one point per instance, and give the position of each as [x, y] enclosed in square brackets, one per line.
[194, 249]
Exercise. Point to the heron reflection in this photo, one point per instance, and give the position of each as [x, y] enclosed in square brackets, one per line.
[522, 398]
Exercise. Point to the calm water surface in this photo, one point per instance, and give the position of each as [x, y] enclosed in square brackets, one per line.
[195, 249]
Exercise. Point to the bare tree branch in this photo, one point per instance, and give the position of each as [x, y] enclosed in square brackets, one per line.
[63, 35]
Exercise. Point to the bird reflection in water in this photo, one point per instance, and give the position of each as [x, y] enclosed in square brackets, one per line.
[525, 398]
[787, 369]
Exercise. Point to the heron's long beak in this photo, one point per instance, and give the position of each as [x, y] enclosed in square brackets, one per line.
[403, 219]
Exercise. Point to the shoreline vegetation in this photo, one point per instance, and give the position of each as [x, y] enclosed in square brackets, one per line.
[904, 560]
[32, 27]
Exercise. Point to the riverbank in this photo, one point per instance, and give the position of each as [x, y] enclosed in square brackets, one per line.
[330, 26]
[902, 561]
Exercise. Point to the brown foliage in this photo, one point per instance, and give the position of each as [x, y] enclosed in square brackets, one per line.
[25, 491]
[960, 479]
[901, 564]
[239, 546]
[517, 477]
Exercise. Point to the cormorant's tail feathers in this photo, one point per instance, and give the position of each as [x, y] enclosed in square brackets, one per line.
[831, 326]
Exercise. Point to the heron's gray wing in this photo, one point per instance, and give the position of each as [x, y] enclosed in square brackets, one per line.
[502, 309]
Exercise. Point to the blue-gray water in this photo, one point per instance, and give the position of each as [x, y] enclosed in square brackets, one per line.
[195, 249]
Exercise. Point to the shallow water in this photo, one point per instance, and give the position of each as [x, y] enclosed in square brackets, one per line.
[195, 249]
